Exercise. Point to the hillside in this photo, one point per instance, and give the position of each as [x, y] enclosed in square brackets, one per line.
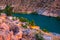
[13, 29]
[44, 7]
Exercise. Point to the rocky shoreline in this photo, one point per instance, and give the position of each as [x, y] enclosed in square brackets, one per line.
[13, 30]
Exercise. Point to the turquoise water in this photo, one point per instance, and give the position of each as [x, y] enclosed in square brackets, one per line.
[49, 23]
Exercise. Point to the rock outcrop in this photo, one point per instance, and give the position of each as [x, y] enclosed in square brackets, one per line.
[53, 6]
[9, 30]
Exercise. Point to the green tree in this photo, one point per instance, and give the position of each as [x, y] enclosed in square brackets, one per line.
[24, 26]
[32, 23]
[23, 19]
[8, 10]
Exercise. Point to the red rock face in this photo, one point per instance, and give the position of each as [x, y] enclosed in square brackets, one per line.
[33, 5]
[55, 7]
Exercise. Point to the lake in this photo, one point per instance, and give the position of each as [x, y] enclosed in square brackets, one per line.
[49, 23]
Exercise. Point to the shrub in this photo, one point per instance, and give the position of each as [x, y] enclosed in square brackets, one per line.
[45, 30]
[23, 19]
[58, 18]
[8, 10]
[32, 23]
[39, 37]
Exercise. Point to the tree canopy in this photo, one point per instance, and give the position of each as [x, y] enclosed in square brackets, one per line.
[8, 10]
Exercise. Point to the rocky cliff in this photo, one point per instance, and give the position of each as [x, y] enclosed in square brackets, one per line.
[44, 7]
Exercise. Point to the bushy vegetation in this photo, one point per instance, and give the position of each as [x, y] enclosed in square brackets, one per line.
[8, 10]
[45, 30]
[24, 26]
[32, 23]
[1, 11]
[39, 37]
[23, 19]
[58, 18]
[34, 13]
